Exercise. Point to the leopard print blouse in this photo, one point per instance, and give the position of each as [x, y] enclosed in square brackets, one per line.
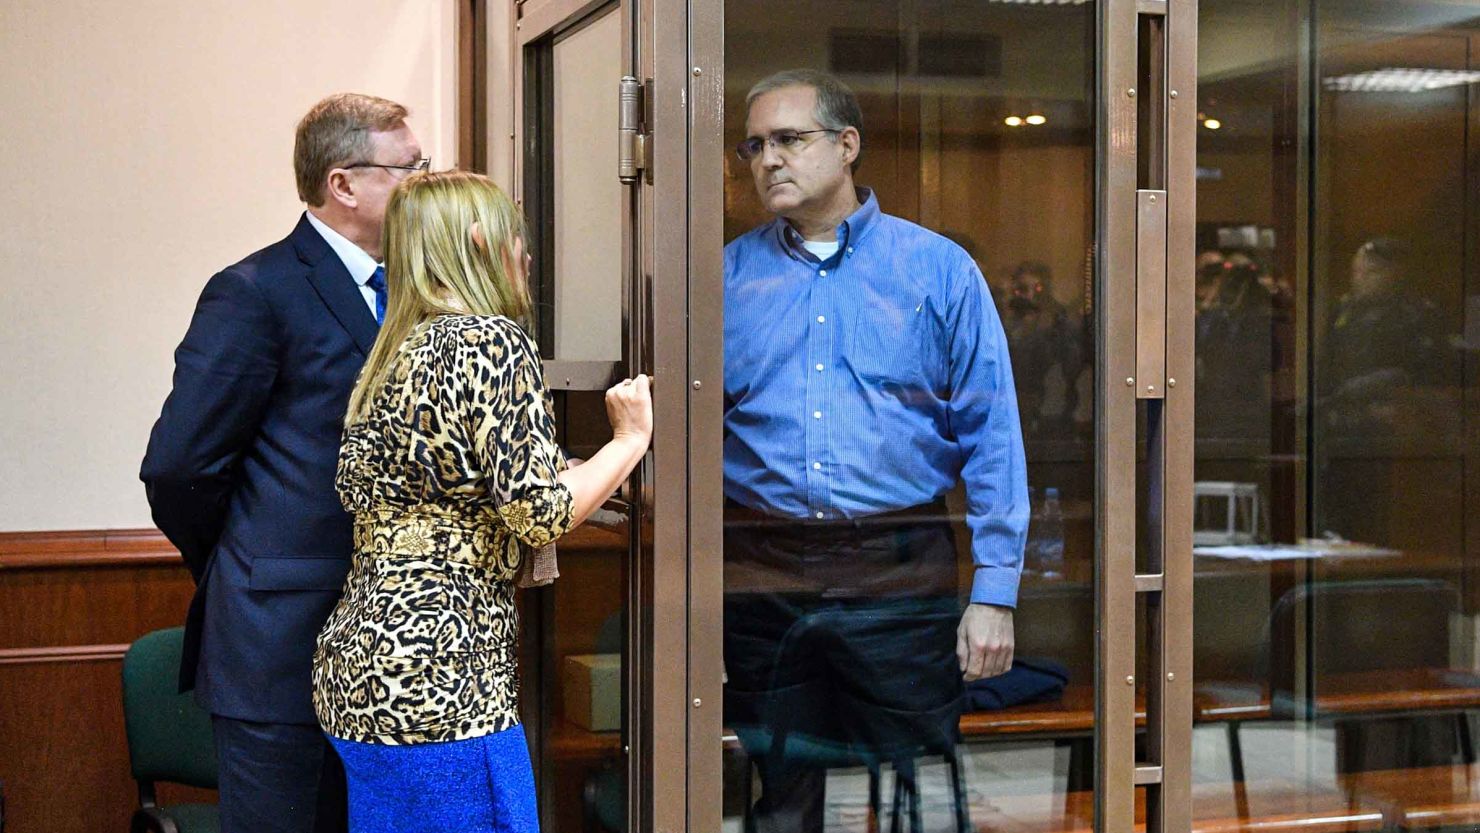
[450, 476]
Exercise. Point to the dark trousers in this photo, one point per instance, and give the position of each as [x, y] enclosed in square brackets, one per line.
[840, 649]
[278, 778]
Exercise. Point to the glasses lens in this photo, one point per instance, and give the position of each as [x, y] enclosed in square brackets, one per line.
[748, 149]
[786, 138]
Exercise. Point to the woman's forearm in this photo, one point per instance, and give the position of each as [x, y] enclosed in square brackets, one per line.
[593, 481]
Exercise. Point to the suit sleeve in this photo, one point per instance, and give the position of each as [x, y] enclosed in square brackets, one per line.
[224, 373]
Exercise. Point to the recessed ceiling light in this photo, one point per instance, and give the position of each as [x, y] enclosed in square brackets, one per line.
[1400, 80]
[1036, 120]
[1013, 121]
[1212, 124]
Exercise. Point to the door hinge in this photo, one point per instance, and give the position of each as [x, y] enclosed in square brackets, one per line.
[634, 146]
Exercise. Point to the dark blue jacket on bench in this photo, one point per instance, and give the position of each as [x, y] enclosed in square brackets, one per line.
[240, 471]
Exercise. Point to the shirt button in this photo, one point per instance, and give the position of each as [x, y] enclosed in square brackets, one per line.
[850, 250]
[817, 466]
[819, 368]
[817, 415]
[819, 516]
[823, 273]
[822, 319]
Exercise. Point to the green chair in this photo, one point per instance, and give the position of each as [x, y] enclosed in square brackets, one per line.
[169, 736]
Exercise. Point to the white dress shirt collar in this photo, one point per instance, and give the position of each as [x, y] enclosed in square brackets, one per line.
[359, 263]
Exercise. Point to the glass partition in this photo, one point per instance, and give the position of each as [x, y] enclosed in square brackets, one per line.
[577, 682]
[1336, 454]
[882, 371]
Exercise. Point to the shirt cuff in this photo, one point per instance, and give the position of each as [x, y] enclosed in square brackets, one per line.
[994, 586]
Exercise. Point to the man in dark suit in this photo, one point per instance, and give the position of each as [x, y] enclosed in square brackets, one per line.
[240, 466]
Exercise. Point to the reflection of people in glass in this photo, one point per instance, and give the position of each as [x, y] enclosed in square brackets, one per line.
[1382, 342]
[1043, 341]
[1234, 347]
[865, 372]
[1377, 373]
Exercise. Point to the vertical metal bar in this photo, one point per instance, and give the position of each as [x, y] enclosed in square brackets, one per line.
[662, 55]
[1175, 622]
[706, 455]
[1151, 359]
[1151, 294]
[1115, 425]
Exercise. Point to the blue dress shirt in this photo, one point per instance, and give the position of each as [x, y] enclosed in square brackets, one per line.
[871, 382]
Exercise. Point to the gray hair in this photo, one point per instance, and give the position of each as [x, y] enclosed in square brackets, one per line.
[337, 132]
[837, 106]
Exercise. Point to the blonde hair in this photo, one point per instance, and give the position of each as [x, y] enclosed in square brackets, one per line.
[335, 133]
[434, 267]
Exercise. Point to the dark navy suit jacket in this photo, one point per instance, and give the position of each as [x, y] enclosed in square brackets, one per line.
[240, 471]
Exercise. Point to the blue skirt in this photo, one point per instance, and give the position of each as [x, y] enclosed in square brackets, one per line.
[479, 785]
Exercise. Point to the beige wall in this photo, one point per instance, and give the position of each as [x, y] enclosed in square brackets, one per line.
[146, 145]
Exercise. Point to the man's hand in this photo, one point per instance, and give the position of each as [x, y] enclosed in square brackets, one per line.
[984, 641]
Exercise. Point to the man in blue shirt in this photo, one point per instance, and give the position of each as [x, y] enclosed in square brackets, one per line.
[866, 372]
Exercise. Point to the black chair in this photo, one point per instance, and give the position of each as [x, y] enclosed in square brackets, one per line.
[812, 753]
[1360, 626]
[169, 736]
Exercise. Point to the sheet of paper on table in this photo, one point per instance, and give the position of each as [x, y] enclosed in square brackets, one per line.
[1288, 552]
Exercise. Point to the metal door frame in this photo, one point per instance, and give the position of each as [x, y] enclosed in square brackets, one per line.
[655, 324]
[1144, 333]
[1144, 325]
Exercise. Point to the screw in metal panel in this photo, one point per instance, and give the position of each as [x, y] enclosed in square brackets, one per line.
[1131, 93]
[1173, 93]
[1171, 677]
[698, 702]
[698, 71]
[1151, 388]
[1130, 680]
[1130, 381]
[1153, 198]
[698, 384]
[1171, 383]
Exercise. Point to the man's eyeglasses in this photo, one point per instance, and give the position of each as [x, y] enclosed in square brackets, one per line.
[422, 164]
[784, 141]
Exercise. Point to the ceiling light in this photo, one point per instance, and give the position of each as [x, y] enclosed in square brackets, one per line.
[1400, 80]
[1212, 124]
[1013, 121]
[1036, 120]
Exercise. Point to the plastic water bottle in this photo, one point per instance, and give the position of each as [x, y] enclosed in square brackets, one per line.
[1049, 546]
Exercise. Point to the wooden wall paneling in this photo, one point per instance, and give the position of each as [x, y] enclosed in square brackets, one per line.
[70, 605]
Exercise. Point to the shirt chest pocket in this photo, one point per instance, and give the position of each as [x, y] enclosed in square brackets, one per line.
[900, 343]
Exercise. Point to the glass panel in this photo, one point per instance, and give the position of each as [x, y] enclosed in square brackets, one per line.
[575, 688]
[588, 195]
[873, 487]
[1336, 520]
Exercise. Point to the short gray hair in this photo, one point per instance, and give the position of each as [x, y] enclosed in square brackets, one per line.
[336, 132]
[837, 106]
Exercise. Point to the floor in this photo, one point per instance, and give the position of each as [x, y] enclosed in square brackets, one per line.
[1008, 781]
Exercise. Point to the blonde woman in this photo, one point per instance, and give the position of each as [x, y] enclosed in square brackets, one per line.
[450, 467]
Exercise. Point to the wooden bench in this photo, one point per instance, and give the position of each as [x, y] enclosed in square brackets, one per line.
[1422, 798]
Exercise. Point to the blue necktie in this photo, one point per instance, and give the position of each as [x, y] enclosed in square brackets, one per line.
[377, 283]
